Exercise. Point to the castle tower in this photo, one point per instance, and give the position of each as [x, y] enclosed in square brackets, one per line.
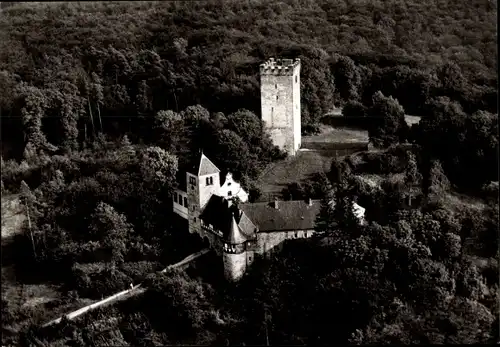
[202, 183]
[280, 102]
[234, 255]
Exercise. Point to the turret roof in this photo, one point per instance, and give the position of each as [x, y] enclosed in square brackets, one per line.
[235, 236]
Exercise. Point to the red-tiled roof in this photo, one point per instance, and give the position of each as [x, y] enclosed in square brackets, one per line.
[290, 215]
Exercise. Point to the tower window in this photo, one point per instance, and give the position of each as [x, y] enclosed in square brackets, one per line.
[185, 202]
[210, 181]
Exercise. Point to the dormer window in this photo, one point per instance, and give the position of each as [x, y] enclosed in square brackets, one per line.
[210, 181]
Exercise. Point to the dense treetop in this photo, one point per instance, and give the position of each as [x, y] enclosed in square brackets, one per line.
[104, 103]
[73, 70]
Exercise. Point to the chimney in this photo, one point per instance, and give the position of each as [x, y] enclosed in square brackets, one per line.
[275, 203]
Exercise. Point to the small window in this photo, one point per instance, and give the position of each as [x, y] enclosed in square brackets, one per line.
[228, 184]
[185, 202]
[272, 109]
[175, 197]
[193, 208]
[277, 97]
[210, 181]
[195, 219]
[192, 180]
[276, 86]
[229, 193]
[296, 79]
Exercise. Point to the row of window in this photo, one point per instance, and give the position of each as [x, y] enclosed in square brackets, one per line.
[209, 181]
[178, 198]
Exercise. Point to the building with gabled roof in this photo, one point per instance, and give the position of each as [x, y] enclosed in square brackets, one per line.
[240, 232]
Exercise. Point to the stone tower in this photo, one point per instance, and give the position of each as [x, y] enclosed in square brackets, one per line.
[202, 183]
[234, 256]
[280, 102]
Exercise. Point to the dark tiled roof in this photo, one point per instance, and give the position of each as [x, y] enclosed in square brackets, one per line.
[290, 215]
[219, 214]
[204, 167]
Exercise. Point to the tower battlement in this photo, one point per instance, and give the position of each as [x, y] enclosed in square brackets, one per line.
[281, 67]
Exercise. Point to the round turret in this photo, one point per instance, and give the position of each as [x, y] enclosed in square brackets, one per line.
[234, 256]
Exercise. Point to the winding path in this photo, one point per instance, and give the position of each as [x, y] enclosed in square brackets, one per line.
[125, 294]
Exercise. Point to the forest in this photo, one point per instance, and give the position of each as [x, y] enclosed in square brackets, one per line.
[104, 104]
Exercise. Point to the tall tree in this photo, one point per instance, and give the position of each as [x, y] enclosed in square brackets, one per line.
[388, 125]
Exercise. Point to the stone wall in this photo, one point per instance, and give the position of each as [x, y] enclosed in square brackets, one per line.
[268, 241]
[181, 210]
[206, 191]
[235, 265]
[297, 117]
[280, 102]
[193, 203]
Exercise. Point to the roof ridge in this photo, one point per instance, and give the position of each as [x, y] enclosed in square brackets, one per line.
[210, 163]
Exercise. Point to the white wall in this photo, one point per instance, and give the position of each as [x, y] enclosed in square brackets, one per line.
[230, 185]
[181, 210]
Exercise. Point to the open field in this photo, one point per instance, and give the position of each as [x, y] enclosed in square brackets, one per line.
[294, 169]
[308, 162]
[337, 135]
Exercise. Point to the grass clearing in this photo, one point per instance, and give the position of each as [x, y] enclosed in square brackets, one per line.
[331, 134]
[293, 169]
[307, 162]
